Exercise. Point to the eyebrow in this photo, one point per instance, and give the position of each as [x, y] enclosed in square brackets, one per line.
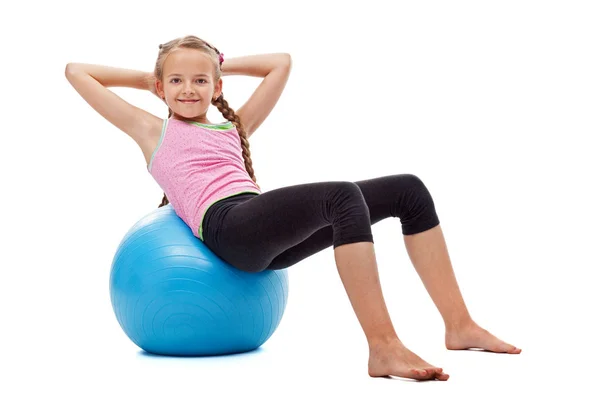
[182, 75]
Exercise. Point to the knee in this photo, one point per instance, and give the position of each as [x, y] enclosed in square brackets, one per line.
[346, 197]
[342, 191]
[410, 191]
[416, 207]
[414, 182]
[346, 187]
[415, 185]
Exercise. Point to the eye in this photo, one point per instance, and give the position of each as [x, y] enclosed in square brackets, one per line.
[202, 80]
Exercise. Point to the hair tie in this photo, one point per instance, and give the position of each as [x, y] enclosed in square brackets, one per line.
[221, 58]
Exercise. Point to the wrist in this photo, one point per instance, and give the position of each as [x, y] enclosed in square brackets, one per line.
[259, 65]
[148, 82]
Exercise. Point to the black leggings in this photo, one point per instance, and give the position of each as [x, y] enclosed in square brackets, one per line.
[281, 227]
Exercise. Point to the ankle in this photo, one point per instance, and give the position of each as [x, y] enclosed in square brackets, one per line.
[383, 341]
[459, 324]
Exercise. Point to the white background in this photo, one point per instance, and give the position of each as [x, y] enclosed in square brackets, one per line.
[494, 105]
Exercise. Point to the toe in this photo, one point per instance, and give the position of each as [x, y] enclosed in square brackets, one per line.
[418, 373]
[442, 376]
[506, 348]
[502, 347]
[432, 372]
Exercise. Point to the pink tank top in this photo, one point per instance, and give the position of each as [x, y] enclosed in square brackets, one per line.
[197, 165]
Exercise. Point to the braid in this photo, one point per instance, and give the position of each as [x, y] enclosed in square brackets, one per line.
[164, 201]
[231, 116]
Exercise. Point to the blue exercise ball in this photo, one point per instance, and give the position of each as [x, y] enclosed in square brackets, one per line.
[173, 296]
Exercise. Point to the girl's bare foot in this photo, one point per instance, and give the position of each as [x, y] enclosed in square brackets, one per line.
[394, 359]
[472, 335]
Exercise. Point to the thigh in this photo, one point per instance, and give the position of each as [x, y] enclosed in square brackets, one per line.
[387, 196]
[249, 235]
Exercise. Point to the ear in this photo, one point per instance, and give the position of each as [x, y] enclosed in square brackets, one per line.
[158, 87]
[218, 89]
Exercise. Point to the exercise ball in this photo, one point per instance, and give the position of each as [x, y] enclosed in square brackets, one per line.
[173, 296]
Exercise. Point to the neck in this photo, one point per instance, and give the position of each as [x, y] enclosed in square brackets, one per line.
[201, 119]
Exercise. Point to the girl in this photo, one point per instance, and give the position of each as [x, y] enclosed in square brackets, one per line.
[206, 173]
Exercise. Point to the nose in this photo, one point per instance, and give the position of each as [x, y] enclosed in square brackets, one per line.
[187, 88]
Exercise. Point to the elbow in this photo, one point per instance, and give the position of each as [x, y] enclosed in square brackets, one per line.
[70, 69]
[284, 62]
[73, 67]
[281, 63]
[287, 59]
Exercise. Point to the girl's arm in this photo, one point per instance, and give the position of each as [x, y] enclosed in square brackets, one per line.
[112, 76]
[91, 82]
[275, 70]
[257, 65]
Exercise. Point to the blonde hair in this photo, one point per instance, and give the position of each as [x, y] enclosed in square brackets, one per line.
[193, 42]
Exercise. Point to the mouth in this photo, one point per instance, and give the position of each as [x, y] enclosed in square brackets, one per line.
[188, 101]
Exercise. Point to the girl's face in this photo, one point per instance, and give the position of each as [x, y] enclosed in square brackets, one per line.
[188, 75]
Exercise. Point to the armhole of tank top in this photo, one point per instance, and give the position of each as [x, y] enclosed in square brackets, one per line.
[162, 136]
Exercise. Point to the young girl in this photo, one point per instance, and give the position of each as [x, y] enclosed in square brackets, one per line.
[206, 173]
